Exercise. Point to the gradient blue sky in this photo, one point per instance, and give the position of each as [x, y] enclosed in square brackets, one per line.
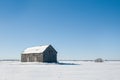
[78, 29]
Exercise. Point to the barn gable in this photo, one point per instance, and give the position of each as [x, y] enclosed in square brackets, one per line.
[49, 48]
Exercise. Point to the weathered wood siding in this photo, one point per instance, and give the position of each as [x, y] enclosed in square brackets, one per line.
[50, 55]
[32, 57]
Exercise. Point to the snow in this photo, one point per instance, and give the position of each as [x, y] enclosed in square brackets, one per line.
[36, 49]
[65, 70]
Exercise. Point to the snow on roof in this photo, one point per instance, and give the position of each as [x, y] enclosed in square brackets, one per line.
[37, 49]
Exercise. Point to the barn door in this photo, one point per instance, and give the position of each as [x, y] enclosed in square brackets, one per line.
[28, 59]
[35, 58]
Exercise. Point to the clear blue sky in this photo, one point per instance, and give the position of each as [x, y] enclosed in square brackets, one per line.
[78, 29]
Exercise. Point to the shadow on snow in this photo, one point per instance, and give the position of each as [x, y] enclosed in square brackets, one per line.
[59, 63]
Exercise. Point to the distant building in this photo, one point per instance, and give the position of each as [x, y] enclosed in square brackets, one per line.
[99, 60]
[39, 54]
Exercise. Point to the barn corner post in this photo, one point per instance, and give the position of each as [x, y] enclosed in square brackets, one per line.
[21, 57]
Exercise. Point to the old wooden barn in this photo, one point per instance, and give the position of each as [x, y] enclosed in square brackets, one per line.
[39, 54]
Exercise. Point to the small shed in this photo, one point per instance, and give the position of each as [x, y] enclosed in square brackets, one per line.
[99, 60]
[44, 53]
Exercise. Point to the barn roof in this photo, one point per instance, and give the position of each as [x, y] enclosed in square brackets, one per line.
[37, 49]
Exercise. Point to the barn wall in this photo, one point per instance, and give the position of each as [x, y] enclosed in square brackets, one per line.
[24, 57]
[50, 55]
[32, 57]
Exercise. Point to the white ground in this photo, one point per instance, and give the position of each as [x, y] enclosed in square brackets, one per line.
[64, 71]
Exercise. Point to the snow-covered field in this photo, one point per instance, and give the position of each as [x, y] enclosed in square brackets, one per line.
[66, 70]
